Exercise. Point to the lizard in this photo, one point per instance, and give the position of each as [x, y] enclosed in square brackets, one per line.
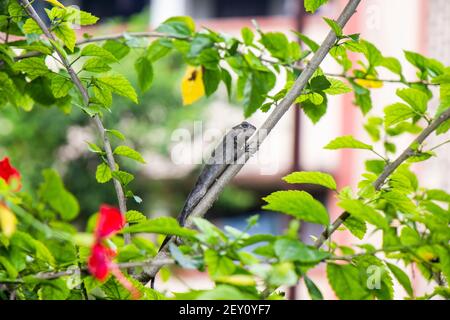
[227, 152]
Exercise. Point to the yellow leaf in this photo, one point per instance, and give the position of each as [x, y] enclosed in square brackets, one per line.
[56, 3]
[369, 83]
[8, 221]
[192, 87]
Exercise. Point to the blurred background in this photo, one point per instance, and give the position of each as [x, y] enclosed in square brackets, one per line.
[296, 144]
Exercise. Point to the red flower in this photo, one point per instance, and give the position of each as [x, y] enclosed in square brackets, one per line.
[110, 221]
[100, 260]
[9, 173]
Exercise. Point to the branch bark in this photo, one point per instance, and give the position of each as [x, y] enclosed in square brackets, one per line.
[388, 170]
[84, 93]
[260, 135]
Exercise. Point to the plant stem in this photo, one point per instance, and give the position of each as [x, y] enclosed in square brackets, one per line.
[85, 95]
[388, 170]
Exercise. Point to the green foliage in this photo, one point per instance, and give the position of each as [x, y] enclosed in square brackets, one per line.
[412, 221]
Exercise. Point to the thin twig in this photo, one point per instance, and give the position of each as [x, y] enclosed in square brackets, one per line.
[84, 93]
[388, 170]
[259, 136]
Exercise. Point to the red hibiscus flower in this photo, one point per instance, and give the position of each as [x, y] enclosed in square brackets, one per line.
[100, 264]
[9, 173]
[110, 221]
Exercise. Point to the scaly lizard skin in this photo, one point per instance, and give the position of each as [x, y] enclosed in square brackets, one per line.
[229, 150]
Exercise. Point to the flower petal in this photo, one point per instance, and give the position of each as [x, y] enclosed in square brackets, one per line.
[99, 261]
[110, 220]
[9, 173]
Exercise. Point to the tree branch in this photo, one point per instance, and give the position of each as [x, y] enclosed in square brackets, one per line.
[84, 93]
[260, 135]
[388, 170]
[71, 272]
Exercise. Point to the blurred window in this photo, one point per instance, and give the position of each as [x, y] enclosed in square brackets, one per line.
[113, 8]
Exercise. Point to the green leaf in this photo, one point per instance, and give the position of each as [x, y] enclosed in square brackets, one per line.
[116, 133]
[128, 152]
[282, 274]
[211, 80]
[334, 25]
[66, 34]
[277, 44]
[33, 67]
[319, 83]
[144, 69]
[218, 264]
[363, 212]
[299, 204]
[94, 148]
[93, 50]
[224, 292]
[30, 26]
[54, 193]
[123, 177]
[133, 216]
[402, 278]
[55, 289]
[319, 178]
[312, 5]
[392, 64]
[96, 65]
[347, 142]
[157, 50]
[103, 95]
[161, 225]
[294, 250]
[103, 173]
[396, 113]
[314, 46]
[61, 86]
[247, 36]
[346, 282]
[178, 26]
[357, 227]
[85, 18]
[120, 85]
[313, 291]
[337, 87]
[118, 49]
[417, 99]
[9, 268]
[256, 86]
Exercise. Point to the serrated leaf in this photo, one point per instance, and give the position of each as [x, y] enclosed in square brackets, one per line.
[128, 152]
[347, 142]
[402, 278]
[396, 113]
[103, 173]
[66, 34]
[313, 290]
[93, 50]
[133, 216]
[120, 85]
[96, 65]
[356, 226]
[116, 133]
[123, 177]
[312, 5]
[363, 212]
[61, 86]
[218, 264]
[299, 204]
[346, 282]
[161, 225]
[31, 27]
[417, 99]
[294, 250]
[334, 25]
[319, 178]
[33, 67]
[337, 87]
[85, 18]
